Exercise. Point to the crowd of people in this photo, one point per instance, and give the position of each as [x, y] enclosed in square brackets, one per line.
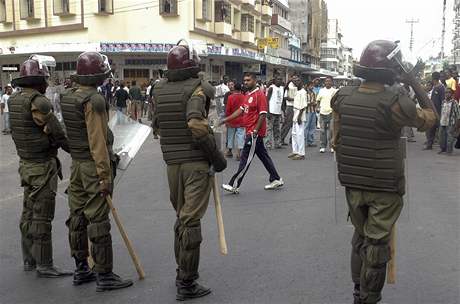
[293, 106]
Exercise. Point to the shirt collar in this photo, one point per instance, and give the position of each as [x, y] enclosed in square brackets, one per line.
[253, 91]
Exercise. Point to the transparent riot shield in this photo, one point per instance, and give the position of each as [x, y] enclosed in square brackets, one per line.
[129, 135]
[340, 200]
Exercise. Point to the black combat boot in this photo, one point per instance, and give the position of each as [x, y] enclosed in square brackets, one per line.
[191, 290]
[29, 265]
[83, 274]
[110, 281]
[357, 299]
[51, 271]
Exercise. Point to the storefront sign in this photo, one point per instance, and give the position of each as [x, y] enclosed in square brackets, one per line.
[10, 68]
[136, 47]
[294, 42]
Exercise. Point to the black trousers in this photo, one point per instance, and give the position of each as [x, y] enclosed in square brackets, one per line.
[251, 148]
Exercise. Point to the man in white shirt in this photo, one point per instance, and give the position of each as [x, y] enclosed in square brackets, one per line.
[5, 111]
[289, 94]
[325, 112]
[299, 118]
[275, 100]
[221, 90]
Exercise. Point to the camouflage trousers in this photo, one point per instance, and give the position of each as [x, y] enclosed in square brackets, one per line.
[273, 138]
[39, 180]
[373, 215]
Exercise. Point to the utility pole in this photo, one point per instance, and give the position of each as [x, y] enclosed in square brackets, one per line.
[412, 22]
[443, 36]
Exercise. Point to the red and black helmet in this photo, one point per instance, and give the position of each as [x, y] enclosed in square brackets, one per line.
[182, 57]
[92, 69]
[374, 64]
[31, 72]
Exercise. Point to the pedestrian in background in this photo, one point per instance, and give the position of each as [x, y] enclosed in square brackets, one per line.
[437, 96]
[254, 120]
[299, 118]
[221, 90]
[235, 131]
[288, 109]
[275, 100]
[4, 109]
[310, 124]
[449, 122]
[121, 100]
[325, 111]
[135, 95]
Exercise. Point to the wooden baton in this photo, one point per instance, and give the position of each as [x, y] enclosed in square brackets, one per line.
[128, 244]
[220, 221]
[391, 268]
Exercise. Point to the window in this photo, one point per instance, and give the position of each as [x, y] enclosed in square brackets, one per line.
[136, 73]
[27, 9]
[168, 7]
[61, 7]
[106, 6]
[66, 66]
[247, 23]
[206, 12]
[223, 12]
[2, 11]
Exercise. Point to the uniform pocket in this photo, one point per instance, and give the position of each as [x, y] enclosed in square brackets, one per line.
[33, 174]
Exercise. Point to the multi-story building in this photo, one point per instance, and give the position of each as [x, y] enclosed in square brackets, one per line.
[316, 15]
[136, 35]
[348, 62]
[332, 49]
[456, 38]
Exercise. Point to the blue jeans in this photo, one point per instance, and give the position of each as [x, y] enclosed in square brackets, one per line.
[310, 127]
[235, 134]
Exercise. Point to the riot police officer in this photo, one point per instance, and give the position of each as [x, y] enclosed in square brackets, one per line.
[37, 136]
[189, 149]
[367, 127]
[85, 115]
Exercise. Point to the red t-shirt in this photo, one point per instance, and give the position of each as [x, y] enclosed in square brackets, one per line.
[254, 104]
[234, 102]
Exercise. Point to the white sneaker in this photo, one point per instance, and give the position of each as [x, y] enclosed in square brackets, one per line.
[230, 189]
[322, 150]
[275, 184]
[332, 150]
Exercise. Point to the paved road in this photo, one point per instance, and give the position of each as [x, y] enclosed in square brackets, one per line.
[287, 246]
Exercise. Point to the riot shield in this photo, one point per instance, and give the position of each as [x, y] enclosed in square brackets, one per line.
[129, 135]
[340, 201]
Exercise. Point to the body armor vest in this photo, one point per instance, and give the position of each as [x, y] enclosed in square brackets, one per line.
[176, 139]
[30, 140]
[369, 153]
[73, 111]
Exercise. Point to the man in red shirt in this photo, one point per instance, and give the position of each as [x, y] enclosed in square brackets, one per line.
[254, 110]
[235, 131]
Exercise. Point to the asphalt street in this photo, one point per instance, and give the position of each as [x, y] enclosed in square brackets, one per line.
[285, 246]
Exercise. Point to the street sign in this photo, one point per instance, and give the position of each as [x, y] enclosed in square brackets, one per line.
[273, 42]
[261, 43]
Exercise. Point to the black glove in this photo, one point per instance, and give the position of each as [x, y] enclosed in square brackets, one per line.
[215, 157]
[219, 162]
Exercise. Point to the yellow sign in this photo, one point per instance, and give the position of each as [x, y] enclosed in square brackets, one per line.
[261, 43]
[273, 42]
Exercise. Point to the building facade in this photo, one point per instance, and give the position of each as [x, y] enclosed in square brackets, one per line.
[456, 37]
[336, 58]
[137, 36]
